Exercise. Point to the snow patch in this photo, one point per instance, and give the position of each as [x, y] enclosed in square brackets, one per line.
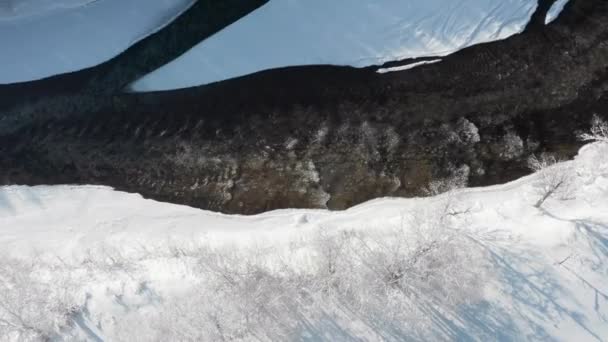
[406, 67]
[555, 10]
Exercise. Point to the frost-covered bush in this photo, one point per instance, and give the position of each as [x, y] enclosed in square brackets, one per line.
[512, 146]
[459, 178]
[598, 131]
[467, 131]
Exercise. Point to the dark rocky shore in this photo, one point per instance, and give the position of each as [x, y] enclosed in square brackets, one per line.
[311, 137]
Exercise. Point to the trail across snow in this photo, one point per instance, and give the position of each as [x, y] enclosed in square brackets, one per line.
[542, 274]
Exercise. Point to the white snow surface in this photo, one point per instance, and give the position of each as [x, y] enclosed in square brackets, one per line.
[41, 38]
[145, 270]
[555, 10]
[340, 32]
[406, 66]
[12, 9]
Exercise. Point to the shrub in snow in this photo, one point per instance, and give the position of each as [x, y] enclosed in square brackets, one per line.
[598, 131]
[553, 178]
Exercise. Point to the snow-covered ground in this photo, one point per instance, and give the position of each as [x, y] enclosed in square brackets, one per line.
[473, 264]
[340, 32]
[41, 38]
[13, 9]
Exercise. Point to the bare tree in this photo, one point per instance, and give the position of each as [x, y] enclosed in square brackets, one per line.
[554, 178]
[598, 131]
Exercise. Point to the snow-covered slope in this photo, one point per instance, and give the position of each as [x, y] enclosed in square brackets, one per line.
[474, 264]
[340, 32]
[41, 38]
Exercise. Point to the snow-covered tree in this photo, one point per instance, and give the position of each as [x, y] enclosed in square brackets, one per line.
[598, 131]
[553, 178]
[459, 178]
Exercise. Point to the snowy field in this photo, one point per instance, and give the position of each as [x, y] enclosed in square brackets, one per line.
[41, 38]
[483, 264]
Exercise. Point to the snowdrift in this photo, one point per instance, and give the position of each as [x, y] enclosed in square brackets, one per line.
[473, 264]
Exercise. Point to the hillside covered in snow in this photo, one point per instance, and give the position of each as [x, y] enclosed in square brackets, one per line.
[69, 35]
[472, 264]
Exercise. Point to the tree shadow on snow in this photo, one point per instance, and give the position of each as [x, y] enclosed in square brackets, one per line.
[533, 299]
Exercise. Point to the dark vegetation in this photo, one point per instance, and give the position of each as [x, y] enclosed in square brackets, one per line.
[319, 136]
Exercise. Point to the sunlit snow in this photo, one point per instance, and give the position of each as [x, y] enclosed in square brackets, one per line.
[41, 38]
[340, 32]
[103, 265]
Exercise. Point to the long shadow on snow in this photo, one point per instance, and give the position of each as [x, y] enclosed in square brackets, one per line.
[534, 297]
